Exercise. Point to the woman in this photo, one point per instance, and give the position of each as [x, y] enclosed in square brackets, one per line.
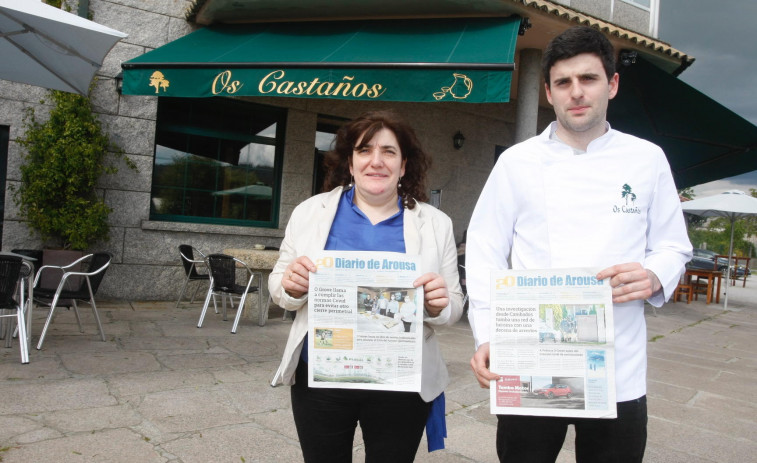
[379, 158]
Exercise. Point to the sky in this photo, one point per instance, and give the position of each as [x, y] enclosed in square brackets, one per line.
[721, 35]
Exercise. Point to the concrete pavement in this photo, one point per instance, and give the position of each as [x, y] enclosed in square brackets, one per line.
[162, 390]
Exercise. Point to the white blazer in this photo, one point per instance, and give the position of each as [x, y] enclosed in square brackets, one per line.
[427, 232]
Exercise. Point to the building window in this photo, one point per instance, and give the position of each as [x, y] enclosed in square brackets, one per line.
[645, 4]
[217, 161]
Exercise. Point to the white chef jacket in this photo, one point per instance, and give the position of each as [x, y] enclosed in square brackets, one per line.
[545, 207]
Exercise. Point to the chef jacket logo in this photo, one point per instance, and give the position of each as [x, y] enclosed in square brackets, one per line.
[459, 90]
[627, 194]
[159, 81]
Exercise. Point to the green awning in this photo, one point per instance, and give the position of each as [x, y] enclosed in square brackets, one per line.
[703, 140]
[462, 59]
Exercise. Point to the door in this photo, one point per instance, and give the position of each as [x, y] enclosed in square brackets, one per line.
[324, 136]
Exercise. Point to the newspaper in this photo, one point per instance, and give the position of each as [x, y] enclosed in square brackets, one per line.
[552, 342]
[365, 321]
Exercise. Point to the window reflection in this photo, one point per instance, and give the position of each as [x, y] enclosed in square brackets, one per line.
[257, 155]
[221, 169]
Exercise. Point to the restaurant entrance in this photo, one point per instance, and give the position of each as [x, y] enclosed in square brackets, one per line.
[324, 136]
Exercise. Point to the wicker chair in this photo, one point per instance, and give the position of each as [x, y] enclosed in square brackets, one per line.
[223, 270]
[90, 282]
[10, 271]
[190, 264]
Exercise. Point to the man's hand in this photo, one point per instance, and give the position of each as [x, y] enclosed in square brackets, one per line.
[630, 281]
[480, 365]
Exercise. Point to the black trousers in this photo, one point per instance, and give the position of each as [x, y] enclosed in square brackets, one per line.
[392, 422]
[538, 439]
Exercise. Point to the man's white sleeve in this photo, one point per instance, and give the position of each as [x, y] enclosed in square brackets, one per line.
[668, 246]
[489, 239]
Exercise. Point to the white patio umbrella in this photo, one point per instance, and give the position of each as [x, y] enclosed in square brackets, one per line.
[48, 47]
[733, 205]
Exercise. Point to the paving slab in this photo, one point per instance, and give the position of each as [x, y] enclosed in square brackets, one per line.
[111, 446]
[162, 390]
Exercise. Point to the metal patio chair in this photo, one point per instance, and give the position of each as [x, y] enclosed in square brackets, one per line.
[190, 264]
[10, 272]
[90, 282]
[223, 270]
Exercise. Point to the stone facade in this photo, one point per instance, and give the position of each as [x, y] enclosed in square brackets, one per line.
[146, 264]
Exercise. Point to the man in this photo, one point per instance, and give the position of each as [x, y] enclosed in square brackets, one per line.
[382, 304]
[580, 195]
[393, 307]
[407, 313]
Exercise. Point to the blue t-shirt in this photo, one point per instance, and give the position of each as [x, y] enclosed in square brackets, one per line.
[353, 231]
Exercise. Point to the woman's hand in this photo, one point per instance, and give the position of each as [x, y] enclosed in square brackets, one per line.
[435, 294]
[296, 278]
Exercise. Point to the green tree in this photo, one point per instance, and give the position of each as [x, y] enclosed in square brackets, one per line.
[691, 219]
[687, 193]
[750, 224]
[716, 236]
[557, 313]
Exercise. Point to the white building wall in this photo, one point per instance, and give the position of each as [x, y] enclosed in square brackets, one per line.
[630, 14]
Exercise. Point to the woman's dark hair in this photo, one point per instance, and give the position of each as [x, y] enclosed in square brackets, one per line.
[337, 161]
[575, 41]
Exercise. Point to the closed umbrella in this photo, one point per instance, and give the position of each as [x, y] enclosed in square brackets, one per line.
[45, 46]
[732, 205]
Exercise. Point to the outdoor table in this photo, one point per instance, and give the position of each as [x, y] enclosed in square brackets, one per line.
[368, 322]
[259, 260]
[711, 276]
[735, 260]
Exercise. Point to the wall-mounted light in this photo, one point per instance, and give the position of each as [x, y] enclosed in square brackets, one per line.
[119, 82]
[458, 140]
[627, 57]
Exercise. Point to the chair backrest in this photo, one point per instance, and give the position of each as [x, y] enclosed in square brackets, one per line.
[10, 269]
[222, 270]
[98, 261]
[187, 252]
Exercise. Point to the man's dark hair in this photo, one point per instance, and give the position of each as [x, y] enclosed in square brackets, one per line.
[575, 41]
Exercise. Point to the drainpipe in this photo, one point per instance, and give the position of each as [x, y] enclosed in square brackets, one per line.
[529, 81]
[84, 9]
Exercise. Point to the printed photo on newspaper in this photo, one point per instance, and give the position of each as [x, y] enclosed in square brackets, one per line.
[365, 321]
[552, 342]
